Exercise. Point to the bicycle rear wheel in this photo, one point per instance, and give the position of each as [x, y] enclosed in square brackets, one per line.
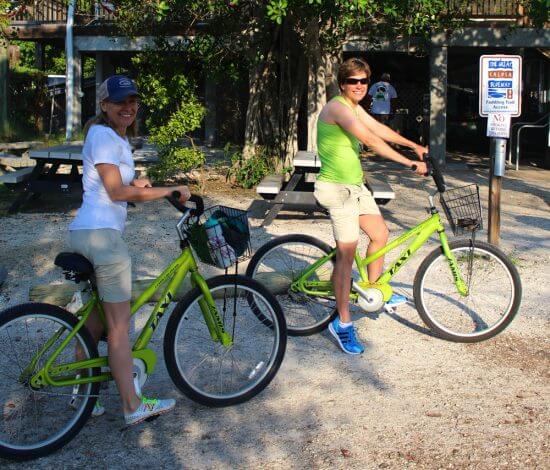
[34, 423]
[217, 375]
[492, 301]
[280, 262]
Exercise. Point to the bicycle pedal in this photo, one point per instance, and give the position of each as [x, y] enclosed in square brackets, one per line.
[390, 309]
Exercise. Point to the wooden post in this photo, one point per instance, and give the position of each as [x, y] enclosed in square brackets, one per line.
[497, 156]
[4, 69]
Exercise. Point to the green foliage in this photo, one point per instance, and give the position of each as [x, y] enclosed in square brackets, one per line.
[174, 160]
[55, 63]
[247, 173]
[172, 110]
[538, 11]
[4, 8]
[27, 98]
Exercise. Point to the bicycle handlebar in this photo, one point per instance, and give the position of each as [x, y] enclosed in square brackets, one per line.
[195, 198]
[434, 170]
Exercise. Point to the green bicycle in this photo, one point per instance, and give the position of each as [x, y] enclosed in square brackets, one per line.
[216, 350]
[464, 291]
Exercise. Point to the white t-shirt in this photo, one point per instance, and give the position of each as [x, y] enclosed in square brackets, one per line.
[103, 145]
[382, 93]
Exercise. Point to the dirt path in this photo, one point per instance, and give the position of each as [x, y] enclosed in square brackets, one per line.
[411, 401]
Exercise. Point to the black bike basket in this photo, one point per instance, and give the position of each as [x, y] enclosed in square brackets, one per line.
[221, 236]
[462, 207]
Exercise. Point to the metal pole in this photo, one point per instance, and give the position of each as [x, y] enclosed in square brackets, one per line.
[69, 74]
[498, 165]
[4, 70]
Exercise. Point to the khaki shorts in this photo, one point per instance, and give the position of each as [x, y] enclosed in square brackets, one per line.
[108, 253]
[345, 203]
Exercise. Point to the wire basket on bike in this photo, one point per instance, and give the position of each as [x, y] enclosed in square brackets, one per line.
[462, 207]
[221, 236]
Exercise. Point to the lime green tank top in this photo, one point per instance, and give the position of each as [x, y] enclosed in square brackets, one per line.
[339, 153]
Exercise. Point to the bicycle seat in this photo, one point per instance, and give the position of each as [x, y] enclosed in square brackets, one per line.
[75, 267]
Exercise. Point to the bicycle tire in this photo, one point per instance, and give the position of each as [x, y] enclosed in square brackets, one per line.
[445, 311]
[8, 336]
[305, 315]
[205, 381]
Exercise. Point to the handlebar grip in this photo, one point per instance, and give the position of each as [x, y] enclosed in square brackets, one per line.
[196, 211]
[435, 171]
[174, 200]
[199, 204]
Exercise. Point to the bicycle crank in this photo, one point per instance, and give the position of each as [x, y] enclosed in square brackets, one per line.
[370, 299]
[140, 375]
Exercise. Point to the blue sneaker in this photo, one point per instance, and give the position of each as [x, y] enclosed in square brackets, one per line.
[395, 300]
[345, 337]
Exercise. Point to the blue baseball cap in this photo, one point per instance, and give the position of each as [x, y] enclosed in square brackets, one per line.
[117, 88]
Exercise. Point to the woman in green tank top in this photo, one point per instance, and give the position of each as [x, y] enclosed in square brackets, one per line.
[342, 125]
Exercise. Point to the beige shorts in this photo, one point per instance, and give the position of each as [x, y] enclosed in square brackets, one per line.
[345, 203]
[108, 253]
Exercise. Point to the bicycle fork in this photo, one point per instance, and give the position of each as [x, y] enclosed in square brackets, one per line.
[461, 286]
[211, 315]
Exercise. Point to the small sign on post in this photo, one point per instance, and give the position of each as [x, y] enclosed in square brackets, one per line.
[499, 101]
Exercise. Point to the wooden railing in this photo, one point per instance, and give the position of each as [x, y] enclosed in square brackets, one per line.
[488, 9]
[55, 11]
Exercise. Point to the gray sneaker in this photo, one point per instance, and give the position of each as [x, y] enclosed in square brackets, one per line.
[149, 407]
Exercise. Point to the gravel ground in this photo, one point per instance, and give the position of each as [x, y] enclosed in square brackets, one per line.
[411, 401]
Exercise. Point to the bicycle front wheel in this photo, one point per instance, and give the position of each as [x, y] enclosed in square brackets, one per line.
[279, 263]
[493, 299]
[216, 375]
[34, 423]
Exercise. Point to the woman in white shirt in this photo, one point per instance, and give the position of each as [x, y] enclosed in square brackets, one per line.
[96, 232]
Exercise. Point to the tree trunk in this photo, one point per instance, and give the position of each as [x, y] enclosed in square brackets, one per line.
[331, 62]
[316, 89]
[251, 126]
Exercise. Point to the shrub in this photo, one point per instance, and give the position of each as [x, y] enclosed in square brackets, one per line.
[173, 113]
[27, 101]
[247, 173]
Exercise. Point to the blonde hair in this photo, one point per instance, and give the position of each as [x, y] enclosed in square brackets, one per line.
[103, 120]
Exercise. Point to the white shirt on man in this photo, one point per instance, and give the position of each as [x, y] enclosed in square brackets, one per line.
[382, 93]
[103, 145]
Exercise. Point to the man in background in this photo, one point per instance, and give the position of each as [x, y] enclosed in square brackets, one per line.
[382, 95]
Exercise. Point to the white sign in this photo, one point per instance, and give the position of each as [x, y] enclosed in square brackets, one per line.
[498, 125]
[500, 85]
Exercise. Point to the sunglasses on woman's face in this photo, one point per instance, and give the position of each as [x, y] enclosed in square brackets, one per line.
[355, 81]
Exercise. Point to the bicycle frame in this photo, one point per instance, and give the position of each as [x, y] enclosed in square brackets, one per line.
[421, 233]
[172, 276]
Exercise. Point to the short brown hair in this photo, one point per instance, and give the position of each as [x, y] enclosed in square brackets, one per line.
[351, 67]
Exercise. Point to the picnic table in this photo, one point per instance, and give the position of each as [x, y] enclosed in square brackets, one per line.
[46, 177]
[297, 193]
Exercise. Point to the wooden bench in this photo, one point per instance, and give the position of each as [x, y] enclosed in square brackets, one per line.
[297, 193]
[270, 186]
[15, 161]
[17, 176]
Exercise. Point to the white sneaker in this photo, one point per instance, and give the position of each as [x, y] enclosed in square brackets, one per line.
[98, 410]
[149, 407]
